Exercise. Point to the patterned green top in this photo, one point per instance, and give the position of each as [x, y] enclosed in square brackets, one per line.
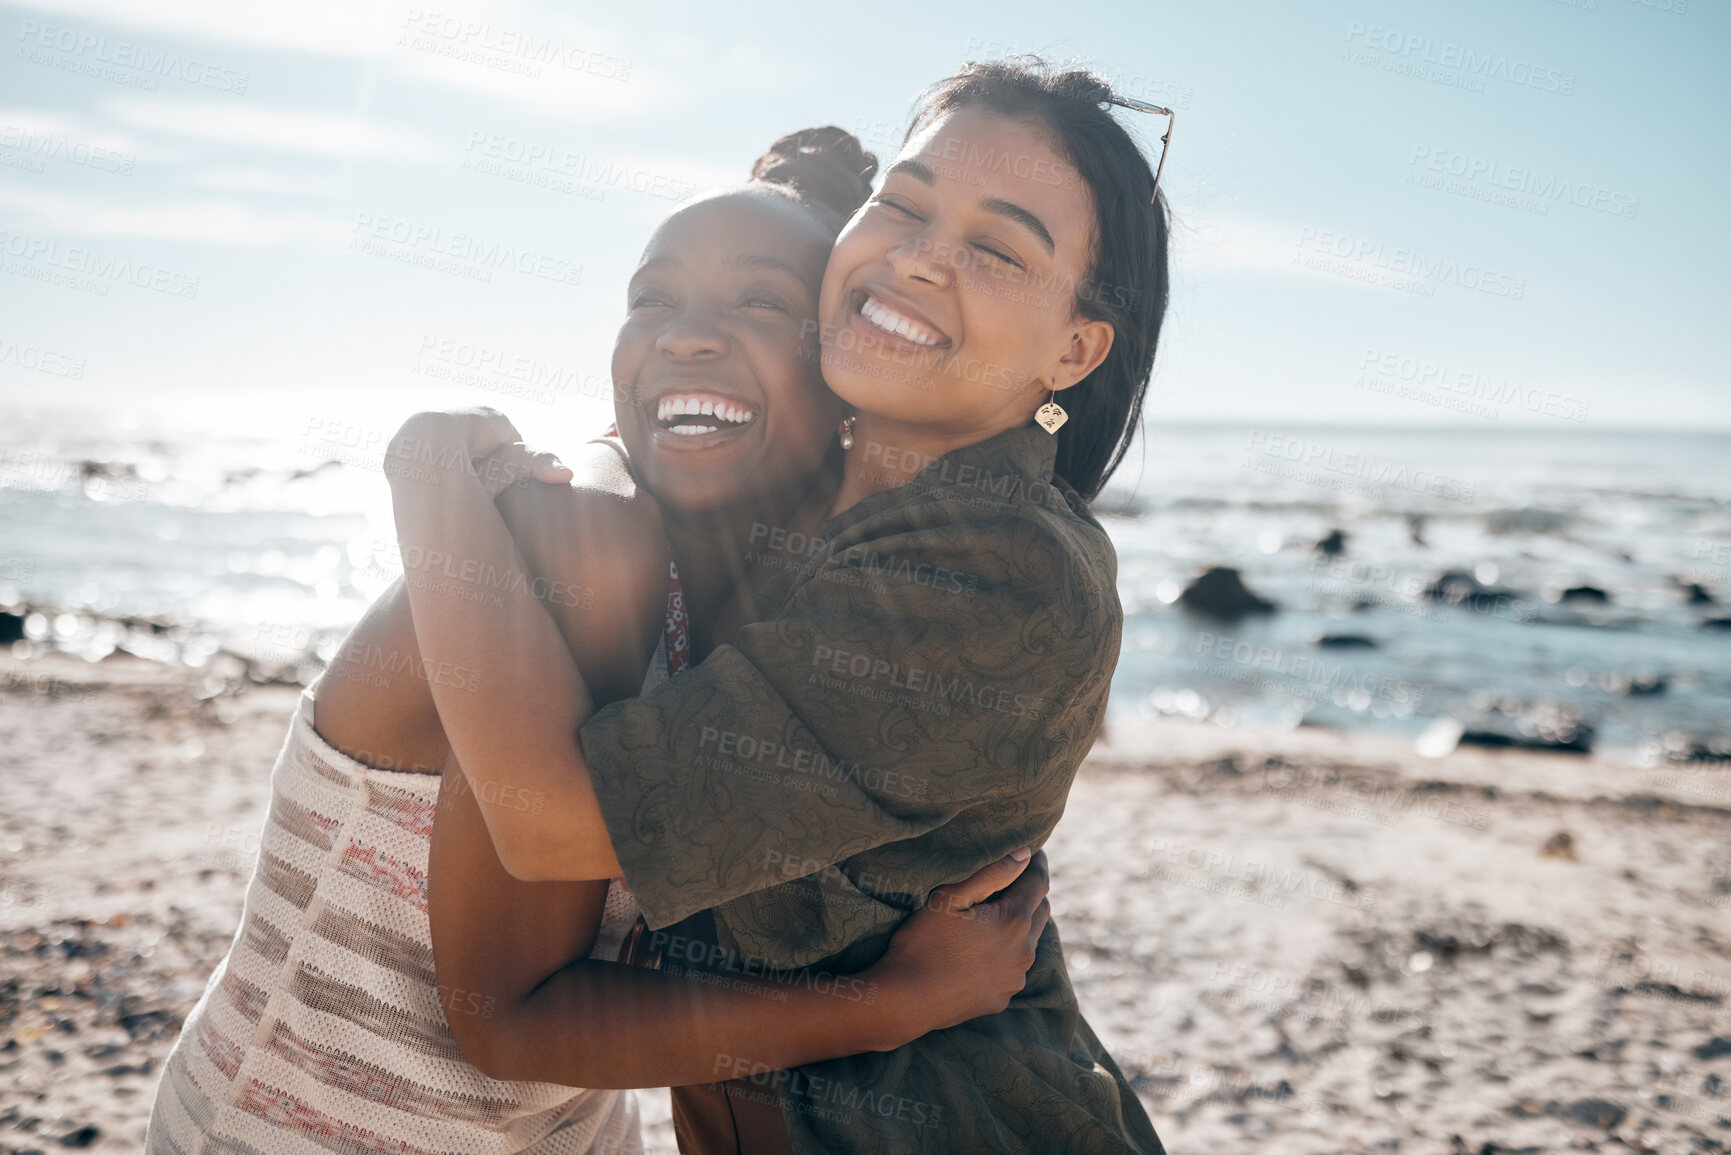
[911, 703]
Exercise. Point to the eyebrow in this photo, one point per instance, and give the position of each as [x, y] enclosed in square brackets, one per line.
[1022, 217]
[759, 263]
[1007, 209]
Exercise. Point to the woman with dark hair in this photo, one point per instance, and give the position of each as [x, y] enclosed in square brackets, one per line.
[325, 1026]
[937, 653]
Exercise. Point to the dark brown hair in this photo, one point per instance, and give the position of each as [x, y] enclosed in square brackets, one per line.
[1126, 283]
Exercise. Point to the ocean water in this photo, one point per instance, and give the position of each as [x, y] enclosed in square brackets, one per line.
[248, 538]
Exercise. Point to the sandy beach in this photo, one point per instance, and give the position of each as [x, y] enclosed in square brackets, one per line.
[1292, 942]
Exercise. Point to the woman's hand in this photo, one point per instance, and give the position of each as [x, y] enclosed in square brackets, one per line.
[481, 442]
[961, 956]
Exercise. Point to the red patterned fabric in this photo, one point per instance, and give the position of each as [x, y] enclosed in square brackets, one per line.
[678, 623]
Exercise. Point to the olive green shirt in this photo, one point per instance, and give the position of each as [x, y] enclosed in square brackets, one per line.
[911, 704]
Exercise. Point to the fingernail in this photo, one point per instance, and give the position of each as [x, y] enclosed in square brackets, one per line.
[1022, 855]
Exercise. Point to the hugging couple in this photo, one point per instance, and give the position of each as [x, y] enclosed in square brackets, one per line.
[748, 821]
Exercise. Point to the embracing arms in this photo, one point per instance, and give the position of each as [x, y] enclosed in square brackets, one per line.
[521, 1008]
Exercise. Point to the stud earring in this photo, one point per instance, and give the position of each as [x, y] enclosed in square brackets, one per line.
[1051, 415]
[846, 431]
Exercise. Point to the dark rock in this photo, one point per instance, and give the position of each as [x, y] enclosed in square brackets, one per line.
[1581, 744]
[1595, 1113]
[1715, 1048]
[1333, 545]
[1560, 845]
[1532, 726]
[1700, 595]
[1592, 594]
[1415, 523]
[83, 1137]
[1648, 685]
[1221, 593]
[11, 628]
[1716, 624]
[1457, 587]
[1526, 521]
[1346, 642]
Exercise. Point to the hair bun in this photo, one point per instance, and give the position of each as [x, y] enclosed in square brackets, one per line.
[826, 166]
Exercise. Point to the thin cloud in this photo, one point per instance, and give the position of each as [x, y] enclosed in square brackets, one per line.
[210, 221]
[307, 133]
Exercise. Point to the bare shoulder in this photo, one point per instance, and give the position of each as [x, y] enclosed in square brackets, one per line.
[602, 503]
[599, 547]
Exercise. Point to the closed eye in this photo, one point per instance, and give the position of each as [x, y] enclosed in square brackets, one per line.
[1005, 257]
[898, 205]
[647, 298]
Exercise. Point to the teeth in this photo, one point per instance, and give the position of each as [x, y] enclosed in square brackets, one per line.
[891, 321]
[670, 408]
[693, 430]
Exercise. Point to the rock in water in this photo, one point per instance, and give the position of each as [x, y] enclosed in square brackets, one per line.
[1221, 593]
[1346, 642]
[1592, 594]
[1333, 545]
[11, 628]
[1700, 595]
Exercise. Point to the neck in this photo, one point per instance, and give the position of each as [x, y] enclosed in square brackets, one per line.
[888, 454]
[713, 547]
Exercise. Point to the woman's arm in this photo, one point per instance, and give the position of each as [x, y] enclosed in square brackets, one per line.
[517, 1013]
[375, 699]
[476, 601]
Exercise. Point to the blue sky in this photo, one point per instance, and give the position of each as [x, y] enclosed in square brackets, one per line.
[1492, 212]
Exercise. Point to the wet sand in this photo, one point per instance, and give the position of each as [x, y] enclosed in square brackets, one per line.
[1300, 942]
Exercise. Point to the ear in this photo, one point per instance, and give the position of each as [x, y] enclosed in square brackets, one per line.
[1091, 342]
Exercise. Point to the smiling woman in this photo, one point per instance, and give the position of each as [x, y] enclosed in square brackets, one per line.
[384, 951]
[726, 403]
[950, 716]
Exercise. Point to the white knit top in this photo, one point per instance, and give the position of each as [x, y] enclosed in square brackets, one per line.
[323, 1030]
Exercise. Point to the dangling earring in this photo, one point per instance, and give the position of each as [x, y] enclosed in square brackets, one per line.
[1051, 415]
[846, 431]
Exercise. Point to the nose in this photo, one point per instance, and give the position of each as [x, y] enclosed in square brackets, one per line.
[692, 335]
[920, 258]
